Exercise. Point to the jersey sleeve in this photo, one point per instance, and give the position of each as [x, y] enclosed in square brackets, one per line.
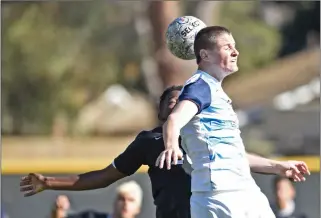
[132, 158]
[198, 92]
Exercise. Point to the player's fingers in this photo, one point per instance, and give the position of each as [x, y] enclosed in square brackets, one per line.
[25, 178]
[157, 160]
[28, 194]
[304, 168]
[23, 183]
[162, 160]
[297, 178]
[175, 158]
[295, 169]
[26, 188]
[169, 159]
[300, 177]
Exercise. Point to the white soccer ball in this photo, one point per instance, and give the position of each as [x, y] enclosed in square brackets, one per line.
[181, 34]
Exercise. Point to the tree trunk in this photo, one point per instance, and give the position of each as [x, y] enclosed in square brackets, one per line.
[161, 14]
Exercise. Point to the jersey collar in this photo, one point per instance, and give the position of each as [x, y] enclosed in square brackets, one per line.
[208, 75]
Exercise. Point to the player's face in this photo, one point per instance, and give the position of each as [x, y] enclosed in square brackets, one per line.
[171, 101]
[169, 104]
[225, 54]
[127, 205]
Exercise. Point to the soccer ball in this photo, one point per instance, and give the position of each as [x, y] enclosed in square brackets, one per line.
[180, 36]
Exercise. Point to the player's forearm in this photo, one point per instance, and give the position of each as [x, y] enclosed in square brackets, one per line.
[86, 181]
[181, 115]
[171, 131]
[262, 165]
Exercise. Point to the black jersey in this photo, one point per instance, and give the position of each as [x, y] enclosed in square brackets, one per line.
[171, 188]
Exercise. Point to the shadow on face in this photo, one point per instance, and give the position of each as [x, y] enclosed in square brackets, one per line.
[168, 104]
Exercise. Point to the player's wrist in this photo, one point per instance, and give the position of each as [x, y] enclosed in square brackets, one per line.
[277, 167]
[47, 183]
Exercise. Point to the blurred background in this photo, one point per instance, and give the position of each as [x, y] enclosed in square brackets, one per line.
[81, 79]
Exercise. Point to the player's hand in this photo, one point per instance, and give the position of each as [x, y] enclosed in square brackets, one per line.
[294, 170]
[32, 184]
[170, 156]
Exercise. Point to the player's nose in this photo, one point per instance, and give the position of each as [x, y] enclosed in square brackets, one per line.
[235, 53]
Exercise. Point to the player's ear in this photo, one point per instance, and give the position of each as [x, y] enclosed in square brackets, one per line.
[204, 54]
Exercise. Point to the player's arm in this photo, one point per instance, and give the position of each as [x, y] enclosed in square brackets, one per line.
[86, 181]
[195, 97]
[294, 170]
[125, 164]
[35, 183]
[262, 165]
[184, 111]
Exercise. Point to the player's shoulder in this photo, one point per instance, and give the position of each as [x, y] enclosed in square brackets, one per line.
[194, 78]
[198, 83]
[199, 78]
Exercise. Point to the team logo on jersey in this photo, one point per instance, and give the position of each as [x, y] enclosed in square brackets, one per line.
[158, 137]
[194, 78]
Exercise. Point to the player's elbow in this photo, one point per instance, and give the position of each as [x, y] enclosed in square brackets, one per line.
[173, 119]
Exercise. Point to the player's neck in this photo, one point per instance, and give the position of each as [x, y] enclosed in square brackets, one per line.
[213, 71]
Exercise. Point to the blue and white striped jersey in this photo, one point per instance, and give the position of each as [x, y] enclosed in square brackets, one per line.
[212, 138]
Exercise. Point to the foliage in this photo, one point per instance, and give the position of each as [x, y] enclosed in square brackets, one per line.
[58, 56]
[257, 42]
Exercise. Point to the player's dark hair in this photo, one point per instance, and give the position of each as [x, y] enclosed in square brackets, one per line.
[168, 91]
[206, 39]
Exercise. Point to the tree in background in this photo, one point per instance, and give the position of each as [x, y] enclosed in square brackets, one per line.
[57, 56]
[257, 42]
[172, 70]
[303, 30]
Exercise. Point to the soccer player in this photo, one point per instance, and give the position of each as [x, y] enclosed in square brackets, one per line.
[222, 185]
[171, 189]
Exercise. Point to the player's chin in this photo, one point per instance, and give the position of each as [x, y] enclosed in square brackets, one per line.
[126, 213]
[231, 70]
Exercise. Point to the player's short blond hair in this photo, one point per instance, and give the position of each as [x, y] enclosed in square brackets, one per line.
[131, 187]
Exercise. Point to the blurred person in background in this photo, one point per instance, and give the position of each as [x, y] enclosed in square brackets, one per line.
[127, 204]
[171, 188]
[61, 207]
[285, 194]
